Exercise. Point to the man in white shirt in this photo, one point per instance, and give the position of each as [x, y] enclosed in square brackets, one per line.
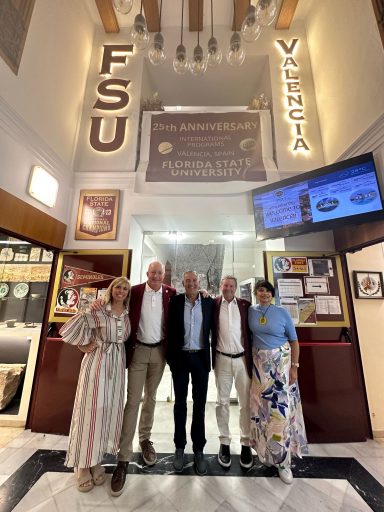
[232, 363]
[148, 313]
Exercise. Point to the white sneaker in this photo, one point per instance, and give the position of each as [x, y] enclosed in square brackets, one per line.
[286, 475]
[263, 461]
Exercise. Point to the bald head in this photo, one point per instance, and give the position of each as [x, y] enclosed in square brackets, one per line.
[155, 274]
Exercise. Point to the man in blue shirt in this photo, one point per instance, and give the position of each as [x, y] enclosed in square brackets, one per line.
[190, 323]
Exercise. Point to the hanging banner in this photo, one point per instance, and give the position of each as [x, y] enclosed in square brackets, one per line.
[206, 147]
[97, 215]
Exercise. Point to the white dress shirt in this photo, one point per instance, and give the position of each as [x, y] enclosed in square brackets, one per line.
[151, 328]
[229, 339]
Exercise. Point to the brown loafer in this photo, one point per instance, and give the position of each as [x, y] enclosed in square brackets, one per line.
[118, 478]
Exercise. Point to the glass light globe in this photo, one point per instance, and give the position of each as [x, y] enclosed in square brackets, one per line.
[250, 28]
[181, 62]
[123, 6]
[235, 53]
[266, 11]
[198, 64]
[214, 53]
[139, 32]
[156, 53]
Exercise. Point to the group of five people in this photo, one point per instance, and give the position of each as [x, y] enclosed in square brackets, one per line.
[253, 347]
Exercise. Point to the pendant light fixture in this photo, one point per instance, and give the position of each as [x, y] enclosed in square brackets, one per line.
[235, 53]
[198, 64]
[214, 53]
[156, 53]
[180, 62]
[250, 28]
[123, 6]
[266, 11]
[139, 31]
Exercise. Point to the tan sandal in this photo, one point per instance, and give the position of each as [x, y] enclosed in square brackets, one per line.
[84, 483]
[98, 474]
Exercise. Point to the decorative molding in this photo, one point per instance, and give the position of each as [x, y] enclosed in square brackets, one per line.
[123, 180]
[16, 128]
[371, 140]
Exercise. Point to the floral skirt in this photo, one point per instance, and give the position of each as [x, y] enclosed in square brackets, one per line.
[277, 423]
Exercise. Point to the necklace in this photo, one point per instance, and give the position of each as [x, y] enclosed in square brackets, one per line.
[263, 319]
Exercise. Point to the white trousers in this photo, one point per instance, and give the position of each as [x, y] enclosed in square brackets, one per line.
[227, 371]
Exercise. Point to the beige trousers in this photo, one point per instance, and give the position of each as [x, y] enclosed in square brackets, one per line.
[227, 372]
[144, 373]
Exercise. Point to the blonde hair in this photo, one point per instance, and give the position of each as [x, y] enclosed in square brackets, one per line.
[116, 282]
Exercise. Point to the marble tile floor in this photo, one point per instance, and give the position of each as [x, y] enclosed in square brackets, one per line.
[334, 477]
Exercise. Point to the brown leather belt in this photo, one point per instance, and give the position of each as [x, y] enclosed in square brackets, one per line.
[233, 356]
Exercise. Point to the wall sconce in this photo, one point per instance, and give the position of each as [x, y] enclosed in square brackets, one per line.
[43, 186]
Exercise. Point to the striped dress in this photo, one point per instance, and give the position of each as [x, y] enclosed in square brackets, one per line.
[99, 403]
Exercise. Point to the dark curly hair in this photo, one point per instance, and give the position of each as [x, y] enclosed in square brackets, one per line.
[263, 283]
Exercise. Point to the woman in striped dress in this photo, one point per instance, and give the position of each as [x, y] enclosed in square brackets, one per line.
[99, 403]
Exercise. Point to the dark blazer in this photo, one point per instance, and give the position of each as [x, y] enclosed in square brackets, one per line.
[243, 306]
[176, 329]
[135, 304]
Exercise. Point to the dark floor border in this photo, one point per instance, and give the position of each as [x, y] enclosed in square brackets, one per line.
[335, 468]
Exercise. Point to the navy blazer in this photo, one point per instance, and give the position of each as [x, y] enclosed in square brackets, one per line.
[243, 306]
[135, 304]
[176, 329]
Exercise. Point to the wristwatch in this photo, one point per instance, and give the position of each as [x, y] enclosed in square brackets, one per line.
[295, 364]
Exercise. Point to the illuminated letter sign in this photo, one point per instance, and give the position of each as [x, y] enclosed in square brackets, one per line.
[293, 92]
[113, 89]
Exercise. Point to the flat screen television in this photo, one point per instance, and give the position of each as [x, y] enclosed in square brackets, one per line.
[342, 193]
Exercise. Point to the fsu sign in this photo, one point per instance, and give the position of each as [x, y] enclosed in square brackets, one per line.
[113, 98]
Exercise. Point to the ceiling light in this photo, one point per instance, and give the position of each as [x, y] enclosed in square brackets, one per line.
[123, 6]
[139, 31]
[214, 53]
[234, 236]
[235, 53]
[250, 28]
[198, 64]
[180, 62]
[175, 236]
[266, 11]
[43, 186]
[156, 53]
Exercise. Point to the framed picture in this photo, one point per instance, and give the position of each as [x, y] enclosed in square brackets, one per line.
[81, 275]
[97, 215]
[368, 284]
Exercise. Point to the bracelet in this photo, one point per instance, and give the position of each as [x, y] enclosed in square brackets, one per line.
[295, 365]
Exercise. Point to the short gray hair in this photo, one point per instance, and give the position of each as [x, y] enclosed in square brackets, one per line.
[190, 272]
[228, 277]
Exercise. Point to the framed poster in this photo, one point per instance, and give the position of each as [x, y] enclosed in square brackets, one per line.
[368, 284]
[97, 215]
[81, 275]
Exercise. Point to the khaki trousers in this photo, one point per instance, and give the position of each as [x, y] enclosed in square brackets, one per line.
[227, 372]
[144, 373]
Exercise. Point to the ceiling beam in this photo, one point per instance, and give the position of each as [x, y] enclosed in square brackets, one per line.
[152, 14]
[285, 17]
[194, 7]
[108, 16]
[240, 9]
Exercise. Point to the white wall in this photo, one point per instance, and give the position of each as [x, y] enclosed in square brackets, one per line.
[40, 107]
[347, 59]
[369, 315]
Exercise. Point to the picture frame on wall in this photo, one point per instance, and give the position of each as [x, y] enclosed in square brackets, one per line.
[368, 284]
